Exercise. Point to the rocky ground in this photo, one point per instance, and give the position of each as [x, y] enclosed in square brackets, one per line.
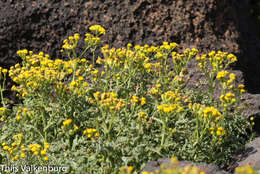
[205, 24]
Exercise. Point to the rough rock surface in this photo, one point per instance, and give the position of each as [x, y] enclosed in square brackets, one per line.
[251, 155]
[208, 168]
[252, 101]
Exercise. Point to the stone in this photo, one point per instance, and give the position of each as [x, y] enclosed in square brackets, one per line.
[152, 166]
[251, 105]
[251, 156]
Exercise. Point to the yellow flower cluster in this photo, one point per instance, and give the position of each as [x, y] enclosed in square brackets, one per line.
[152, 67]
[163, 51]
[220, 131]
[37, 149]
[169, 108]
[67, 122]
[142, 116]
[122, 57]
[154, 91]
[186, 56]
[4, 71]
[222, 74]
[205, 112]
[40, 71]
[221, 77]
[218, 61]
[126, 58]
[17, 150]
[135, 100]
[91, 39]
[91, 133]
[109, 101]
[180, 60]
[24, 113]
[71, 42]
[97, 29]
[211, 112]
[22, 53]
[126, 170]
[3, 113]
[228, 98]
[171, 96]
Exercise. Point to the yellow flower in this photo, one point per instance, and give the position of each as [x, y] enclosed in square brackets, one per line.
[142, 116]
[45, 158]
[70, 71]
[6, 147]
[143, 101]
[137, 47]
[242, 91]
[67, 122]
[43, 152]
[134, 99]
[210, 111]
[73, 84]
[232, 76]
[241, 86]
[36, 153]
[76, 127]
[148, 67]
[85, 84]
[154, 91]
[97, 28]
[232, 57]
[22, 155]
[76, 36]
[130, 169]
[221, 74]
[220, 131]
[81, 78]
[95, 72]
[16, 157]
[18, 117]
[145, 172]
[46, 145]
[158, 85]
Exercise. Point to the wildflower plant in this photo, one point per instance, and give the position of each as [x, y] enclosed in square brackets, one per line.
[74, 113]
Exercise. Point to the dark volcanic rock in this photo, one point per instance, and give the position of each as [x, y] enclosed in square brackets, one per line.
[205, 24]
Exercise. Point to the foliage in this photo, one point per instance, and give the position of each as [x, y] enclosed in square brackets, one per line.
[124, 109]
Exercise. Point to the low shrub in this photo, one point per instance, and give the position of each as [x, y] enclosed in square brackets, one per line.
[124, 109]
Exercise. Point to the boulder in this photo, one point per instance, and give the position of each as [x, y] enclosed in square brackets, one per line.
[251, 156]
[252, 102]
[152, 166]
